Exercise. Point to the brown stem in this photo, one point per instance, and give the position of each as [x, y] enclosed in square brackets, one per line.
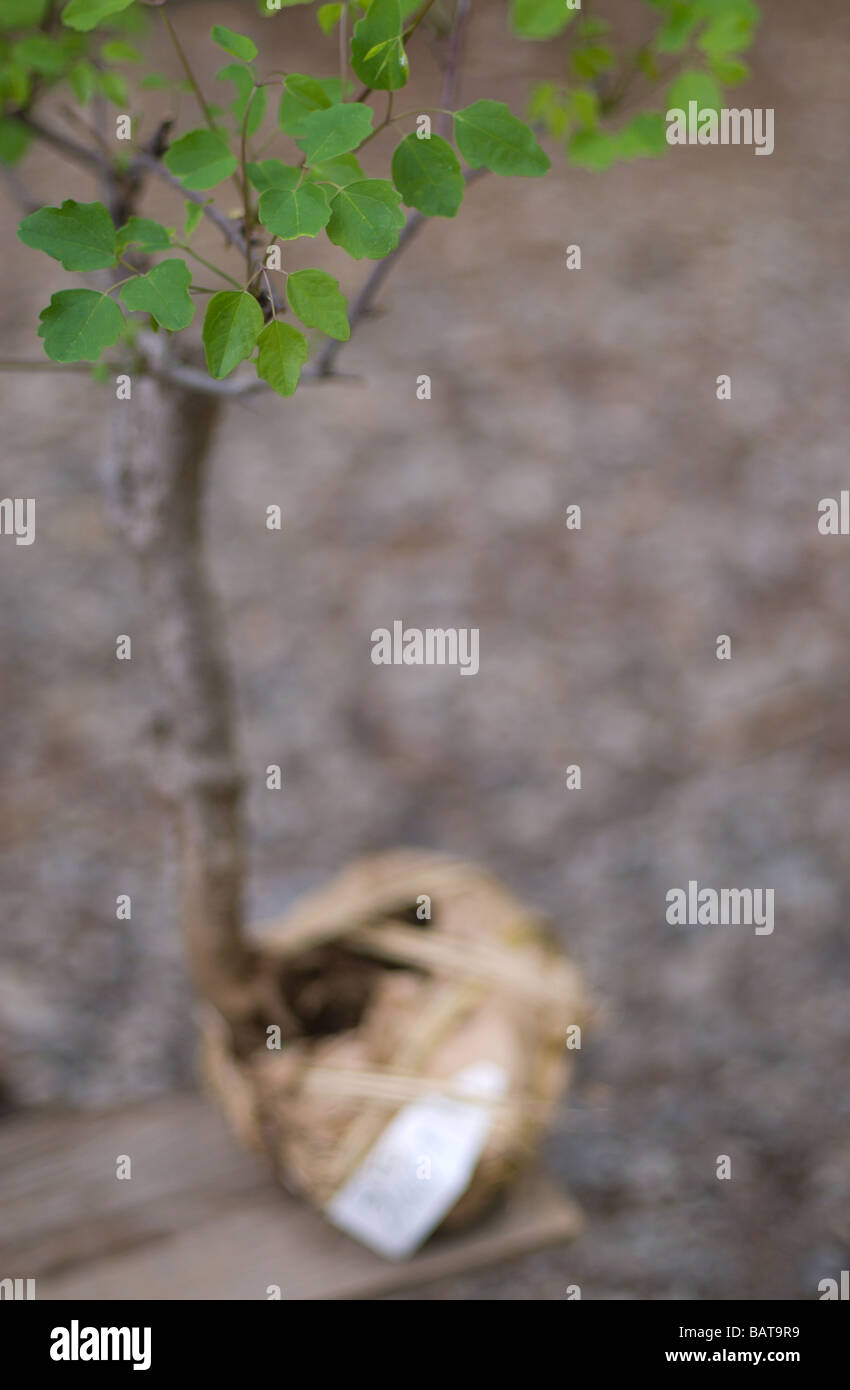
[451, 65]
[417, 19]
[159, 444]
[190, 76]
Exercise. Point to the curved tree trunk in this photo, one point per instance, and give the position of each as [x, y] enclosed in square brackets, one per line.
[156, 474]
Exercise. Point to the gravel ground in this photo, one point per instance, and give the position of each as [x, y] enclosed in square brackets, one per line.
[597, 647]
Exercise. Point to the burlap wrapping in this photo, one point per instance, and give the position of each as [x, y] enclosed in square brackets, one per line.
[481, 981]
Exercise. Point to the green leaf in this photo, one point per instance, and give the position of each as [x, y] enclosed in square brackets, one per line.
[328, 17]
[232, 325]
[78, 235]
[132, 22]
[201, 159]
[244, 84]
[593, 149]
[679, 24]
[342, 170]
[377, 47]
[78, 324]
[540, 19]
[647, 65]
[164, 293]
[365, 219]
[489, 136]
[319, 302]
[325, 134]
[427, 175]
[83, 78]
[645, 136]
[589, 62]
[730, 27]
[14, 140]
[546, 104]
[21, 14]
[273, 173]
[194, 213]
[156, 81]
[237, 44]
[44, 55]
[729, 71]
[303, 95]
[283, 352]
[292, 212]
[85, 14]
[584, 107]
[143, 233]
[15, 84]
[118, 51]
[595, 28]
[114, 87]
[697, 86]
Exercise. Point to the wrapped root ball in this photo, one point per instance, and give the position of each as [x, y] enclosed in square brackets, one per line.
[429, 1013]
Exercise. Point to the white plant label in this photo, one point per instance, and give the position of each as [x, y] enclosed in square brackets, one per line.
[419, 1167]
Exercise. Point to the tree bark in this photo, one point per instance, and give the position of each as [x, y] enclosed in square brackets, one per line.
[156, 476]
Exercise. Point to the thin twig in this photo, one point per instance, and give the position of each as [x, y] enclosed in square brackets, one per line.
[417, 19]
[343, 50]
[270, 292]
[224, 224]
[184, 246]
[190, 76]
[382, 125]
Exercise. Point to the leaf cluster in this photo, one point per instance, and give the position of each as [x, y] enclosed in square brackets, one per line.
[314, 184]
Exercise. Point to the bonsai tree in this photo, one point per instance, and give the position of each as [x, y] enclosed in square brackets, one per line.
[269, 158]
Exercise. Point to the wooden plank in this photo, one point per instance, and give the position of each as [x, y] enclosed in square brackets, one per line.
[201, 1219]
[61, 1202]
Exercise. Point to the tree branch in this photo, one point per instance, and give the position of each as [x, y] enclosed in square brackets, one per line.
[92, 159]
[244, 384]
[224, 224]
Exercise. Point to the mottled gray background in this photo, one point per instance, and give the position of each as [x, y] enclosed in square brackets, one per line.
[550, 387]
